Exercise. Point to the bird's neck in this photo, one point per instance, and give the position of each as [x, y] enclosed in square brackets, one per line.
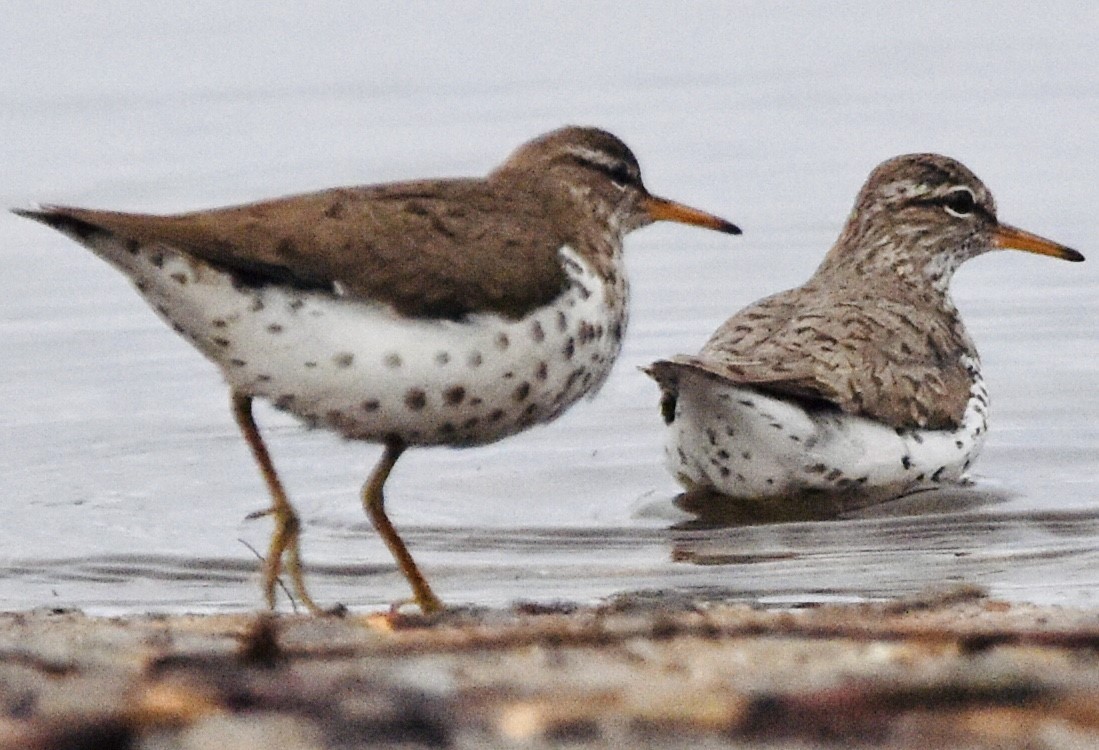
[908, 261]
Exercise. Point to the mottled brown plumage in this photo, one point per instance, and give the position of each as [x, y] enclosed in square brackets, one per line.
[873, 332]
[854, 352]
[863, 382]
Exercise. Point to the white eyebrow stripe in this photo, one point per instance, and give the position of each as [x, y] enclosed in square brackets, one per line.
[596, 157]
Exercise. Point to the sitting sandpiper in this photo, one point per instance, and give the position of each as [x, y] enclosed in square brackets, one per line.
[439, 312]
[862, 384]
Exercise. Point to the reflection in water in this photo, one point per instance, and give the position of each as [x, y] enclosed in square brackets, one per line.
[713, 510]
[1039, 557]
[900, 556]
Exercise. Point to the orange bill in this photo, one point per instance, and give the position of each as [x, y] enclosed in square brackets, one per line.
[662, 209]
[1007, 237]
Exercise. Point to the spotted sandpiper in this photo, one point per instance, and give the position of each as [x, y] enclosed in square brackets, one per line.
[861, 384]
[438, 312]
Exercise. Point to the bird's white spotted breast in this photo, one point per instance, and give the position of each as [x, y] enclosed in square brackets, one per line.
[369, 373]
[745, 444]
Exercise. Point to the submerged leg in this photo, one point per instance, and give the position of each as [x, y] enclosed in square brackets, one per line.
[374, 503]
[285, 538]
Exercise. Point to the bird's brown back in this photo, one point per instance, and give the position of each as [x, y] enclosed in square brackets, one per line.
[431, 249]
[868, 354]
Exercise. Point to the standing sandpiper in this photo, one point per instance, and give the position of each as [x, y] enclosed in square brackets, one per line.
[438, 312]
[863, 384]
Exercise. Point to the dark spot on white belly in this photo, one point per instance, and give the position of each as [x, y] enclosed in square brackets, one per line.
[586, 334]
[415, 399]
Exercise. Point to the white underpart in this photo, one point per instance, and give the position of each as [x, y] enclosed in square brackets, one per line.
[748, 445]
[369, 373]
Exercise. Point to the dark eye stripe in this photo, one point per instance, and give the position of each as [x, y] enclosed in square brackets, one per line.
[976, 210]
[618, 172]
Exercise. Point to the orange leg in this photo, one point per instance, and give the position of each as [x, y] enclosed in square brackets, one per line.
[285, 538]
[374, 503]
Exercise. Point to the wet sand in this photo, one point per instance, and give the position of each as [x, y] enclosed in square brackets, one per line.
[642, 670]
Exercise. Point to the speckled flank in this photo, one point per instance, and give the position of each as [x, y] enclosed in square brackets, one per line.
[745, 444]
[368, 373]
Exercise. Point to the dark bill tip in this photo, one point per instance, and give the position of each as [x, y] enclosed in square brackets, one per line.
[662, 209]
[1007, 237]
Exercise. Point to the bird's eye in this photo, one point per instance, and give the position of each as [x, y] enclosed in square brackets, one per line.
[621, 174]
[960, 202]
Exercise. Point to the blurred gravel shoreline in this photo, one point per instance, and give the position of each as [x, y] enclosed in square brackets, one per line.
[641, 670]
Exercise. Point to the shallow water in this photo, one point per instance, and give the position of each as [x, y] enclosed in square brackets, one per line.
[125, 484]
